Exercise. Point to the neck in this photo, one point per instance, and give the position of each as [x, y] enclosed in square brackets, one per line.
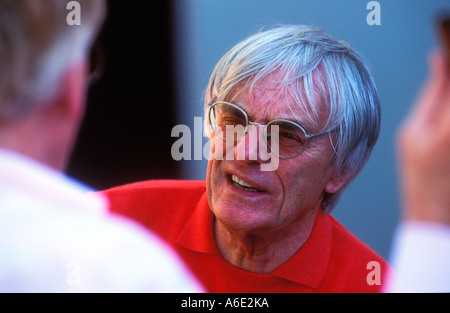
[262, 252]
[37, 137]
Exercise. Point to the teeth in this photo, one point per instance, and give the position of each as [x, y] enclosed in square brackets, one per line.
[240, 181]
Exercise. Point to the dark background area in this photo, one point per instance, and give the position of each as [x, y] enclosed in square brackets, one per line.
[125, 135]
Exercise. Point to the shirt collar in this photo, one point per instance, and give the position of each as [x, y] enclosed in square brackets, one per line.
[198, 234]
[307, 267]
[309, 264]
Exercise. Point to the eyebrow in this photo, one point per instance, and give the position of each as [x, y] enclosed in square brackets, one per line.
[306, 129]
[233, 110]
[295, 121]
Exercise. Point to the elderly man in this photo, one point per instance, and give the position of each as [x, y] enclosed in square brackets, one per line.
[54, 237]
[309, 101]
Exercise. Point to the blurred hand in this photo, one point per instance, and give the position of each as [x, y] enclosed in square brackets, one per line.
[423, 144]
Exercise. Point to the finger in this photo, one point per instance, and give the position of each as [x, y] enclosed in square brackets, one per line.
[432, 99]
[442, 107]
[444, 120]
[444, 30]
[438, 63]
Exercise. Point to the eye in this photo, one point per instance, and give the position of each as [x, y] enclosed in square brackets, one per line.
[289, 138]
[288, 134]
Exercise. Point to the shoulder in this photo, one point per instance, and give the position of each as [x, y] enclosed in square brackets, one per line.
[364, 269]
[346, 241]
[160, 205]
[154, 193]
[169, 186]
[81, 251]
[146, 262]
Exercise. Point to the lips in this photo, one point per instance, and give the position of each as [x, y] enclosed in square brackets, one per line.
[239, 182]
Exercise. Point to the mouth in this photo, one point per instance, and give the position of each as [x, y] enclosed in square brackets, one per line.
[242, 184]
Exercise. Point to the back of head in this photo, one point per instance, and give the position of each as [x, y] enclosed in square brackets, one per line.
[37, 45]
[315, 70]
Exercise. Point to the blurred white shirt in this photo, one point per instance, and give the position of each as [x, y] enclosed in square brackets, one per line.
[55, 237]
[420, 258]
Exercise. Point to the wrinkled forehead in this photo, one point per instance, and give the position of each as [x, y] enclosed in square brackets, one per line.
[272, 98]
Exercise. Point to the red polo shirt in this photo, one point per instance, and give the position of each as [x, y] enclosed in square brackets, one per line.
[331, 260]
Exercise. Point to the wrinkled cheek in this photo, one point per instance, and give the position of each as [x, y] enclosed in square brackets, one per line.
[216, 155]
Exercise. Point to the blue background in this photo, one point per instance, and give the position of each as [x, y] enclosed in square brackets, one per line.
[396, 52]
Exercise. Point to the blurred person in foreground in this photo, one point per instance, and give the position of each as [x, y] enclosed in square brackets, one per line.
[53, 236]
[421, 247]
[292, 115]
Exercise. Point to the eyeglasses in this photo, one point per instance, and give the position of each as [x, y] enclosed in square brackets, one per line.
[230, 122]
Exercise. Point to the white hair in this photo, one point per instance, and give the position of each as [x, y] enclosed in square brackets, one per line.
[69, 51]
[37, 46]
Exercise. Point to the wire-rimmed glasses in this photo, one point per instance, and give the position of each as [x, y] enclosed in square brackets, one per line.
[285, 138]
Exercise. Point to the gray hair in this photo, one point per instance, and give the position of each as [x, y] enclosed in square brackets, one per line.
[312, 67]
[37, 45]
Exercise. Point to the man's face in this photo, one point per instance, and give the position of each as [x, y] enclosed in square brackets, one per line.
[244, 198]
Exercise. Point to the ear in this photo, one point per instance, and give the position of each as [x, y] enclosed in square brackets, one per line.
[73, 90]
[336, 182]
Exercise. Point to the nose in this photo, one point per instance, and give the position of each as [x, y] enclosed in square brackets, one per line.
[253, 146]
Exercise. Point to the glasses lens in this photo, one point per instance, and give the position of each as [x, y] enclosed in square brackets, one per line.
[286, 139]
[228, 121]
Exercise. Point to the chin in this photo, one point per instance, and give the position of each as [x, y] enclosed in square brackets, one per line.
[242, 219]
